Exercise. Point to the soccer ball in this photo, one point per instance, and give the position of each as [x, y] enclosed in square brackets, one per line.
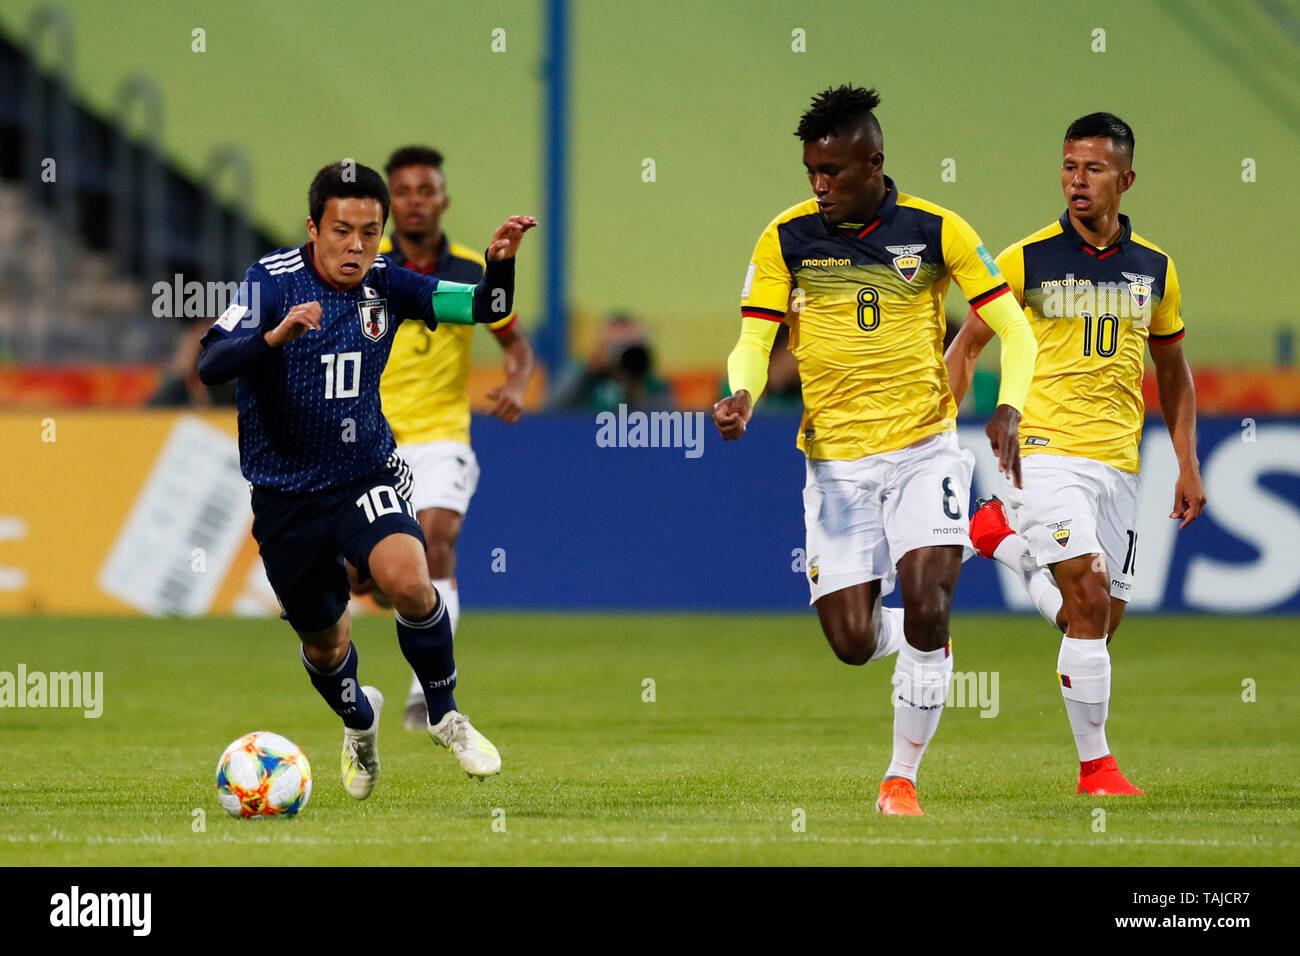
[263, 775]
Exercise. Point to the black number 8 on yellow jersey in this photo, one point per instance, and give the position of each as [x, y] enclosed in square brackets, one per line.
[867, 301]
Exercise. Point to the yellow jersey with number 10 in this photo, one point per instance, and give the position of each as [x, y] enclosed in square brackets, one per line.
[1092, 311]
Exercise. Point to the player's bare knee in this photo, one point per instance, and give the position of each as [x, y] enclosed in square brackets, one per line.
[925, 623]
[851, 640]
[413, 597]
[1087, 604]
[327, 648]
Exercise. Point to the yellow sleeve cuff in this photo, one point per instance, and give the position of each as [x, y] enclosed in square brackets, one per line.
[747, 364]
[1019, 348]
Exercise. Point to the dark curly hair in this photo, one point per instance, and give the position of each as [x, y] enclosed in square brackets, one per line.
[837, 110]
[413, 156]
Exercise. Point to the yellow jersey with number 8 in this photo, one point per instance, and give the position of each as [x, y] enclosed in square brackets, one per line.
[867, 321]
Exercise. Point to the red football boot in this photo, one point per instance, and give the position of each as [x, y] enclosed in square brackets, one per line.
[898, 798]
[1101, 778]
[989, 525]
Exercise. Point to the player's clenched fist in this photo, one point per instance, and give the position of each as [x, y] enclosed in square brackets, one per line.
[1003, 431]
[505, 241]
[301, 319]
[731, 415]
[509, 403]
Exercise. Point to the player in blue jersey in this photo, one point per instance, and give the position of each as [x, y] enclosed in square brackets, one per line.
[308, 337]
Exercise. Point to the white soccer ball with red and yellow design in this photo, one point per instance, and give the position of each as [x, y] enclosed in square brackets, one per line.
[263, 775]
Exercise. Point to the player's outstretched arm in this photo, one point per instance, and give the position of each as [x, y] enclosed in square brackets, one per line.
[1177, 393]
[494, 296]
[493, 299]
[1004, 316]
[746, 376]
[505, 241]
[964, 352]
[732, 415]
[508, 397]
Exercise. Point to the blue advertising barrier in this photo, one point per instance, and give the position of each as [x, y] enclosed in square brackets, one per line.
[594, 512]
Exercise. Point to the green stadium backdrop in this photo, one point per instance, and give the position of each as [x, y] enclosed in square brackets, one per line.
[711, 93]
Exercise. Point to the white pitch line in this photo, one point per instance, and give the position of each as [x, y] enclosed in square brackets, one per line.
[661, 839]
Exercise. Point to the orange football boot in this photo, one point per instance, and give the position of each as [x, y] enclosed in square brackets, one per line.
[989, 525]
[1101, 778]
[898, 798]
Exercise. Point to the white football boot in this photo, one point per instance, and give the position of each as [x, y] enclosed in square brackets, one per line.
[477, 756]
[360, 759]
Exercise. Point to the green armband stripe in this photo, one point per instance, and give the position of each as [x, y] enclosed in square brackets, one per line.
[453, 303]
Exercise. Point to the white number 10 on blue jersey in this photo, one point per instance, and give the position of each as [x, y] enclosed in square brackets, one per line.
[339, 381]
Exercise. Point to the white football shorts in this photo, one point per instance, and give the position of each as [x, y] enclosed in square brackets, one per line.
[446, 474]
[1074, 506]
[862, 516]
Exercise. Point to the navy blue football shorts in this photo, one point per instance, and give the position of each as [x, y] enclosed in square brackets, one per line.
[304, 539]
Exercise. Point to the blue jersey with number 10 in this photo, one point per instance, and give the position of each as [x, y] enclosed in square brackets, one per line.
[309, 412]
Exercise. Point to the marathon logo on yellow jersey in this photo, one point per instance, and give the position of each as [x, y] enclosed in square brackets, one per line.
[1060, 532]
[906, 260]
[826, 262]
[1073, 297]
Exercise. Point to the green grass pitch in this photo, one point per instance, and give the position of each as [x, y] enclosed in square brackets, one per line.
[754, 726]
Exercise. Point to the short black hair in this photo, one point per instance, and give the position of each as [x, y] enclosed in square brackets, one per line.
[345, 180]
[835, 110]
[1103, 126]
[413, 156]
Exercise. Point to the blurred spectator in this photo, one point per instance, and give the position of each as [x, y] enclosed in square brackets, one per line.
[620, 371]
[180, 383]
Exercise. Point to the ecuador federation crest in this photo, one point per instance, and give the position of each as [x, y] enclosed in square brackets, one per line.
[374, 318]
[906, 260]
[1060, 532]
[1139, 287]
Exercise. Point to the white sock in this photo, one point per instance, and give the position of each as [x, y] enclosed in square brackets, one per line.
[921, 680]
[449, 595]
[887, 631]
[1084, 670]
[1013, 552]
[448, 592]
